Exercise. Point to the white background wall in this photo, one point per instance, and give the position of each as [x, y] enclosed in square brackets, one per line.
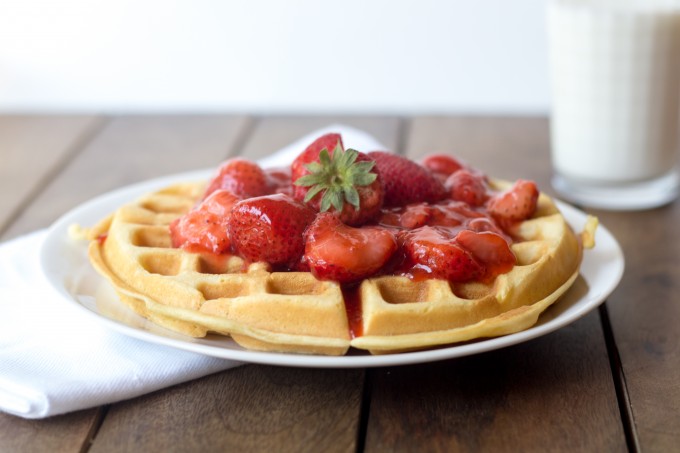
[400, 56]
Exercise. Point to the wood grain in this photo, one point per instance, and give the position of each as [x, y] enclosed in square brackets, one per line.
[550, 394]
[553, 393]
[645, 315]
[132, 149]
[64, 434]
[32, 148]
[505, 147]
[251, 408]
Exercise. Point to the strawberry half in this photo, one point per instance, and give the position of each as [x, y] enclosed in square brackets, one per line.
[335, 251]
[204, 228]
[515, 204]
[464, 185]
[405, 181]
[242, 177]
[342, 182]
[490, 249]
[432, 252]
[269, 228]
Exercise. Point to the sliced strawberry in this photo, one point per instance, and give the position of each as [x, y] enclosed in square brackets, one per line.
[205, 227]
[515, 204]
[405, 181]
[335, 251]
[219, 203]
[269, 229]
[409, 217]
[433, 253]
[416, 215]
[452, 213]
[490, 249]
[311, 153]
[447, 213]
[343, 182]
[463, 185]
[442, 164]
[242, 177]
[487, 225]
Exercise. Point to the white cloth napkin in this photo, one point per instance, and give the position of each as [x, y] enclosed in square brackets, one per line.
[55, 359]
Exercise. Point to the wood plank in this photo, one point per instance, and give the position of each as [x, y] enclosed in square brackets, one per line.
[65, 433]
[253, 408]
[127, 150]
[132, 149]
[31, 149]
[645, 316]
[538, 396]
[504, 147]
[555, 391]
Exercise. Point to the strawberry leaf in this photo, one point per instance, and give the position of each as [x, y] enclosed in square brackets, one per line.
[352, 196]
[312, 192]
[336, 177]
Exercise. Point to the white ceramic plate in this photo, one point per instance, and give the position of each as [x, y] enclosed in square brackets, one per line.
[67, 268]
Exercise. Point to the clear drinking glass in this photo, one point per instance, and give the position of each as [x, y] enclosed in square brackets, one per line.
[615, 77]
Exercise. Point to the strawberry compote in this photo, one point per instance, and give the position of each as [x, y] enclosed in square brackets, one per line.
[345, 216]
[448, 240]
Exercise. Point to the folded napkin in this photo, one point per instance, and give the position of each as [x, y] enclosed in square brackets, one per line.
[54, 358]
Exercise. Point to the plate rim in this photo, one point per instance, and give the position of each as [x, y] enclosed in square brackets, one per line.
[57, 236]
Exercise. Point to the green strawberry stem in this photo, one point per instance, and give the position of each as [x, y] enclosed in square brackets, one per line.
[337, 177]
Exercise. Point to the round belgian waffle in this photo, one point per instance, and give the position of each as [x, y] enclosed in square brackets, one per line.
[294, 312]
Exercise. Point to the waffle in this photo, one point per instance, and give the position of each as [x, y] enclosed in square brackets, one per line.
[400, 315]
[197, 294]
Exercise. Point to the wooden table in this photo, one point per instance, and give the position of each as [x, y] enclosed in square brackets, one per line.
[608, 382]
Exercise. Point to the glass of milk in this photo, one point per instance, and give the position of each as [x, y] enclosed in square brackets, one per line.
[615, 76]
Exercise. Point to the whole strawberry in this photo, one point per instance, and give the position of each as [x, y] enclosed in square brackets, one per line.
[405, 181]
[311, 153]
[269, 228]
[442, 164]
[204, 228]
[335, 251]
[342, 182]
[242, 177]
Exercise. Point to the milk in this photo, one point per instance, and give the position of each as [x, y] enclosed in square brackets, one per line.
[615, 75]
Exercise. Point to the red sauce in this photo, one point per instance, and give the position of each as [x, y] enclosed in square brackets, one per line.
[102, 238]
[448, 215]
[436, 225]
[353, 308]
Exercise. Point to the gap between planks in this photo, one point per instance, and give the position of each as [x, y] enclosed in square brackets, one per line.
[619, 378]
